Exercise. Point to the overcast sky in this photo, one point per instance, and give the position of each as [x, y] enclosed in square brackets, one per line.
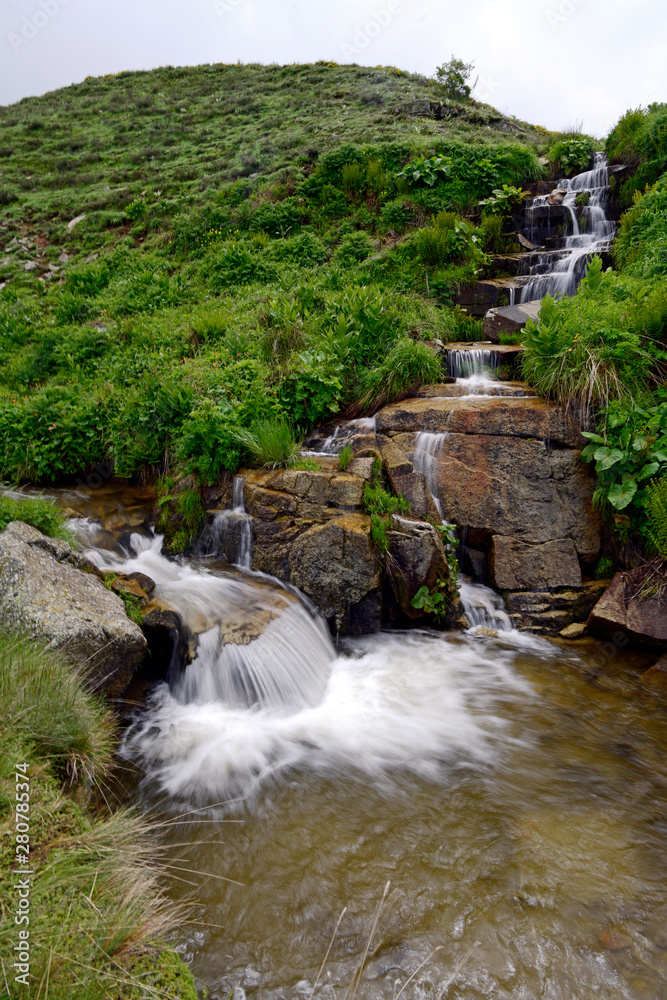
[556, 63]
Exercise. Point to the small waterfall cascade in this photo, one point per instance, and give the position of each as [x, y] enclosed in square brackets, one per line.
[483, 607]
[428, 448]
[343, 433]
[558, 273]
[230, 533]
[477, 362]
[258, 644]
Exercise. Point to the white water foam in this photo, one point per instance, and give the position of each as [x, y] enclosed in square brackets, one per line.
[413, 701]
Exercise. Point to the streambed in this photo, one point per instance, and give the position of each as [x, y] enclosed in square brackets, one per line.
[512, 794]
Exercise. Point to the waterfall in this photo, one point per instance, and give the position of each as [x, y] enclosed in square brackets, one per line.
[428, 448]
[563, 279]
[343, 433]
[230, 534]
[258, 643]
[483, 607]
[471, 363]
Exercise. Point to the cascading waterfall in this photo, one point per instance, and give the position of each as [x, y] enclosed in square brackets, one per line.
[258, 643]
[562, 277]
[482, 606]
[344, 432]
[471, 363]
[230, 533]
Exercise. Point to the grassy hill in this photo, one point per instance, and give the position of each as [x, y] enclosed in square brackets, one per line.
[260, 245]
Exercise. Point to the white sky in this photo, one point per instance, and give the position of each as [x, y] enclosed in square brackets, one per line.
[551, 62]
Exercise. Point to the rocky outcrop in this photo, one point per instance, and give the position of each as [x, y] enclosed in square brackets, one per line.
[508, 472]
[46, 593]
[310, 531]
[634, 605]
[560, 611]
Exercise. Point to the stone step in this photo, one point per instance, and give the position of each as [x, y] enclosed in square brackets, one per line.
[509, 319]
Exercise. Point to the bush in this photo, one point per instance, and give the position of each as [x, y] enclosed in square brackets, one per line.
[280, 218]
[641, 246]
[208, 442]
[395, 215]
[354, 248]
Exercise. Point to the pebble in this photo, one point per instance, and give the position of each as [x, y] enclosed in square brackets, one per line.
[574, 631]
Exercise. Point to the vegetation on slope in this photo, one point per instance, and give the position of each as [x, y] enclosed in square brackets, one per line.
[605, 350]
[96, 913]
[253, 251]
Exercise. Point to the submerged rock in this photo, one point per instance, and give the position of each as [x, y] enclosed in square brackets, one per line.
[45, 593]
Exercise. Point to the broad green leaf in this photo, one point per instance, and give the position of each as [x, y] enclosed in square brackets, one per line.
[612, 458]
[593, 437]
[648, 470]
[621, 494]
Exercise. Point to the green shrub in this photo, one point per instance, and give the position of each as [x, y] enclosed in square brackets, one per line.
[234, 264]
[395, 215]
[311, 390]
[353, 177]
[208, 442]
[40, 512]
[491, 233]
[354, 248]
[571, 155]
[280, 218]
[641, 246]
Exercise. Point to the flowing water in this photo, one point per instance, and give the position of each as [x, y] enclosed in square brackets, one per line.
[511, 791]
[562, 276]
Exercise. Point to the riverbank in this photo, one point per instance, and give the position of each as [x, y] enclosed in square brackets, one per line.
[81, 885]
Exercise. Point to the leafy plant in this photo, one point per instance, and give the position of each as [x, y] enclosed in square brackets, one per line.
[572, 154]
[434, 602]
[656, 514]
[425, 171]
[505, 200]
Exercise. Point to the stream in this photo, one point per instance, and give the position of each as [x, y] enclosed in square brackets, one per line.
[509, 791]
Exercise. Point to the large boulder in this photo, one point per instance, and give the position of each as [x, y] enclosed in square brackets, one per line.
[634, 605]
[334, 564]
[518, 565]
[509, 319]
[46, 593]
[417, 559]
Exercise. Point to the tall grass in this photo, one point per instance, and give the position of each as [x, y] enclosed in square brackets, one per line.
[407, 365]
[270, 443]
[40, 512]
[97, 912]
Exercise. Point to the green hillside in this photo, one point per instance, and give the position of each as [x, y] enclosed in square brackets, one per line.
[250, 252]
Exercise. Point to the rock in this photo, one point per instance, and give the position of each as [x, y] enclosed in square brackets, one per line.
[574, 631]
[334, 564]
[126, 585]
[145, 582]
[481, 415]
[487, 633]
[509, 319]
[518, 565]
[32, 265]
[393, 460]
[361, 467]
[556, 196]
[75, 222]
[64, 257]
[163, 629]
[614, 941]
[414, 488]
[621, 609]
[549, 612]
[417, 559]
[655, 678]
[45, 595]
[480, 296]
[516, 487]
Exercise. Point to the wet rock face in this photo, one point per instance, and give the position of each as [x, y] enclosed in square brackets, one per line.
[632, 607]
[508, 472]
[45, 592]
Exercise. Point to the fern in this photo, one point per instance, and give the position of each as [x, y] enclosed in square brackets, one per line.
[656, 512]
